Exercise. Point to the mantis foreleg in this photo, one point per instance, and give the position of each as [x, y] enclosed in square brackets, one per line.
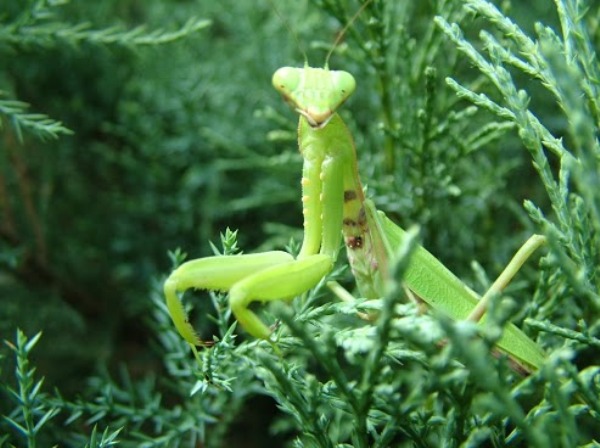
[248, 278]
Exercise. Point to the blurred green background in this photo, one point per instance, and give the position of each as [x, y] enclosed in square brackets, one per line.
[168, 148]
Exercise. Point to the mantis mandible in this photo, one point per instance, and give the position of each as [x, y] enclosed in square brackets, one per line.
[335, 209]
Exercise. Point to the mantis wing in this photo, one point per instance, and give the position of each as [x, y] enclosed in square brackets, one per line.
[433, 283]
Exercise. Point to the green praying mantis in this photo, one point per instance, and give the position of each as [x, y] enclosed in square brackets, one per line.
[335, 210]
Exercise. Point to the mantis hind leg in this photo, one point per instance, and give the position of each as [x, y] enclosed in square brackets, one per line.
[520, 257]
[249, 278]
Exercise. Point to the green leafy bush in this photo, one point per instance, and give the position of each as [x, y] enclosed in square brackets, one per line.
[479, 121]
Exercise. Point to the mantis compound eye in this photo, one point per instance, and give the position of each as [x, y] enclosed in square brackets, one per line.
[315, 93]
[343, 85]
[286, 80]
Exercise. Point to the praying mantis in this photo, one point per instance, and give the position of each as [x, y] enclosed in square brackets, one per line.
[335, 209]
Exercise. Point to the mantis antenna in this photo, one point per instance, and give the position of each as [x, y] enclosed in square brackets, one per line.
[291, 30]
[343, 32]
[338, 39]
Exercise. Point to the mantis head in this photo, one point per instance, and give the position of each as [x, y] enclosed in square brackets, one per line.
[315, 93]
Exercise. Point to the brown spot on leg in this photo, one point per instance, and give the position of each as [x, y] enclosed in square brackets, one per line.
[349, 195]
[362, 217]
[354, 242]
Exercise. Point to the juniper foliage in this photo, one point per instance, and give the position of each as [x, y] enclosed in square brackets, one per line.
[476, 120]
